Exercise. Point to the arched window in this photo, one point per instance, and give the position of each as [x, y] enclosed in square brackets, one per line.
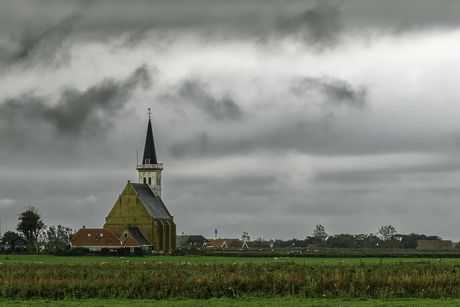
[145, 180]
[150, 180]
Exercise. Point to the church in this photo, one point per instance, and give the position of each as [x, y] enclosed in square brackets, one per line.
[139, 212]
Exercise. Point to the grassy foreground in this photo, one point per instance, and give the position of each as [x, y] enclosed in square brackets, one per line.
[49, 259]
[164, 281]
[224, 302]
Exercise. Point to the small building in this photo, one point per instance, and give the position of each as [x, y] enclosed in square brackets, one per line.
[18, 245]
[191, 241]
[97, 241]
[226, 243]
[137, 236]
[132, 247]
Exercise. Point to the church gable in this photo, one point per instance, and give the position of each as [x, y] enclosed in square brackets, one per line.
[128, 206]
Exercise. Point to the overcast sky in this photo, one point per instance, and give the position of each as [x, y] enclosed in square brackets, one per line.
[270, 116]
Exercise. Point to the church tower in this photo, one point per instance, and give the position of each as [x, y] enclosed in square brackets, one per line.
[150, 170]
[139, 213]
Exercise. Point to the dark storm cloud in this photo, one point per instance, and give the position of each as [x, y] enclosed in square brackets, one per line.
[196, 93]
[76, 114]
[401, 16]
[316, 23]
[40, 46]
[319, 25]
[336, 92]
[285, 129]
[319, 22]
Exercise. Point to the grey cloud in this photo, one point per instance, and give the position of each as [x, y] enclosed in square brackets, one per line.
[336, 92]
[320, 25]
[285, 128]
[44, 47]
[286, 132]
[77, 113]
[196, 144]
[401, 16]
[195, 93]
[317, 23]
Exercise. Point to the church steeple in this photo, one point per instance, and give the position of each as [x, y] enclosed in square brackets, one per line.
[150, 169]
[150, 155]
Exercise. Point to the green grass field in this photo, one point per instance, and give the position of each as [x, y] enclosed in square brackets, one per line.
[44, 258]
[250, 302]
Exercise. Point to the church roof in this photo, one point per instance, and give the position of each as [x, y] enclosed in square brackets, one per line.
[150, 155]
[138, 236]
[152, 203]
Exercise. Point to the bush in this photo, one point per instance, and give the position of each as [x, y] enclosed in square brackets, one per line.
[78, 251]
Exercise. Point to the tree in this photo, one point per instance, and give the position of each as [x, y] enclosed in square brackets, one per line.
[371, 241]
[386, 232]
[58, 236]
[343, 240]
[245, 237]
[410, 240]
[319, 233]
[9, 236]
[31, 225]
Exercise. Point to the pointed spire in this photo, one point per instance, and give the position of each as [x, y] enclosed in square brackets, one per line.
[150, 156]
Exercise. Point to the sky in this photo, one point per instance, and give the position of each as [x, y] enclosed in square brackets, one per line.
[270, 117]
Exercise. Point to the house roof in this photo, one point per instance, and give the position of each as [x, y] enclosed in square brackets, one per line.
[137, 235]
[18, 240]
[191, 240]
[95, 237]
[227, 242]
[150, 156]
[152, 203]
[131, 242]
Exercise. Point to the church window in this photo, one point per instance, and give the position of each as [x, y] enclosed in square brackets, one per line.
[126, 235]
[150, 180]
[145, 180]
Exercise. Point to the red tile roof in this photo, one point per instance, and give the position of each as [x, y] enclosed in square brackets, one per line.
[95, 237]
[228, 243]
[131, 242]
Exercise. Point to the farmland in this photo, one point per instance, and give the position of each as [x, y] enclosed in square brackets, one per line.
[30, 277]
[48, 259]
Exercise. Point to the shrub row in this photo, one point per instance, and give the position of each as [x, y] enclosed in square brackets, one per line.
[163, 281]
[328, 253]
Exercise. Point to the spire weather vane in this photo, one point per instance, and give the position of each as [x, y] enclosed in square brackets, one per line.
[149, 113]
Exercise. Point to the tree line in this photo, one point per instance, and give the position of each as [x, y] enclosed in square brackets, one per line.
[32, 230]
[385, 237]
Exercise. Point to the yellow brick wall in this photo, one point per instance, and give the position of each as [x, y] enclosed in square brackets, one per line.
[129, 211]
